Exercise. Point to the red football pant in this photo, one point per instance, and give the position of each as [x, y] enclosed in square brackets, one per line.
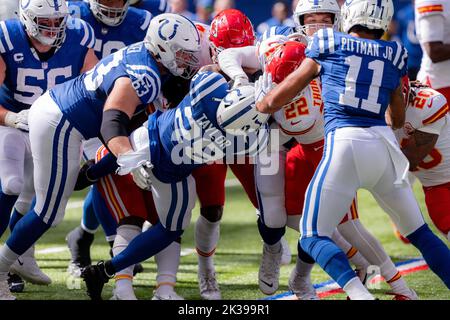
[210, 182]
[124, 198]
[437, 199]
[301, 163]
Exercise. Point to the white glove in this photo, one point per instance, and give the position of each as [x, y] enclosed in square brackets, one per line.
[141, 176]
[17, 120]
[239, 82]
[137, 163]
[262, 86]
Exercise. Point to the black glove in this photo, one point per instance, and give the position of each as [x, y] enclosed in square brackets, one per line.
[83, 180]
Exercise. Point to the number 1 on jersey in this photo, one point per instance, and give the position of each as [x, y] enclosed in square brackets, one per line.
[348, 97]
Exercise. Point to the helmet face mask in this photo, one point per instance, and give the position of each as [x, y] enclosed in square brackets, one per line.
[45, 21]
[310, 7]
[174, 41]
[110, 15]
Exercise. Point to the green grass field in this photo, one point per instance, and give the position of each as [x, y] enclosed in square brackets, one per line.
[237, 256]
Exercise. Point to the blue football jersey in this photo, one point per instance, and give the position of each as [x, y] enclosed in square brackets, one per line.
[358, 76]
[276, 30]
[183, 138]
[110, 39]
[27, 77]
[155, 7]
[82, 99]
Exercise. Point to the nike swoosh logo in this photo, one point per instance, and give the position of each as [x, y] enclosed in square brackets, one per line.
[295, 123]
[318, 148]
[268, 284]
[430, 104]
[20, 262]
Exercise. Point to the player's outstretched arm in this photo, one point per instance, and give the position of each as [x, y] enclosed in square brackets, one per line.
[395, 114]
[289, 87]
[117, 112]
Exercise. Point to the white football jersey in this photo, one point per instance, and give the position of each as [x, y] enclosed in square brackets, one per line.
[204, 54]
[437, 75]
[303, 119]
[429, 113]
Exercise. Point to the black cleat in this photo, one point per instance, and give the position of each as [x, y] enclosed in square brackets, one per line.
[95, 278]
[15, 283]
[79, 243]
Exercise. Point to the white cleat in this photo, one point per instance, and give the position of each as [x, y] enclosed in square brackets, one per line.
[269, 271]
[5, 294]
[74, 270]
[129, 295]
[286, 257]
[27, 267]
[168, 296]
[302, 287]
[209, 288]
[411, 295]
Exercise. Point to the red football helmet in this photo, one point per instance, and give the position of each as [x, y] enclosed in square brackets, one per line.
[230, 29]
[285, 59]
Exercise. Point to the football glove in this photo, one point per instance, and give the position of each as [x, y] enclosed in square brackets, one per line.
[83, 180]
[17, 120]
[262, 86]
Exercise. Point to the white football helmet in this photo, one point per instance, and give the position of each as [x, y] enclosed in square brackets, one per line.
[372, 14]
[237, 111]
[45, 20]
[315, 6]
[111, 16]
[175, 42]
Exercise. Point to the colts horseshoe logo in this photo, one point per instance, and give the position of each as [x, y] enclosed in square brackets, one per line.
[172, 35]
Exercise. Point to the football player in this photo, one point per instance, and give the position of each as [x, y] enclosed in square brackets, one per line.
[111, 21]
[171, 146]
[353, 122]
[425, 141]
[96, 104]
[35, 55]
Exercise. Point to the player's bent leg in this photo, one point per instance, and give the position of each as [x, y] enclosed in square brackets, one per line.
[167, 262]
[123, 289]
[51, 135]
[328, 197]
[356, 234]
[300, 278]
[12, 156]
[409, 221]
[437, 199]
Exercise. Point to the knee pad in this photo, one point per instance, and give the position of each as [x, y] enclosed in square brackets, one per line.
[270, 235]
[12, 185]
[212, 213]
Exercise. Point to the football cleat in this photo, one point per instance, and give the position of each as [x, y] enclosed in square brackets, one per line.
[269, 271]
[95, 277]
[15, 283]
[301, 287]
[209, 288]
[167, 296]
[27, 268]
[79, 243]
[5, 294]
[117, 295]
[286, 257]
[412, 295]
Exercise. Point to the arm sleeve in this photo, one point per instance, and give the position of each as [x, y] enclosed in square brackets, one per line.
[232, 60]
[431, 28]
